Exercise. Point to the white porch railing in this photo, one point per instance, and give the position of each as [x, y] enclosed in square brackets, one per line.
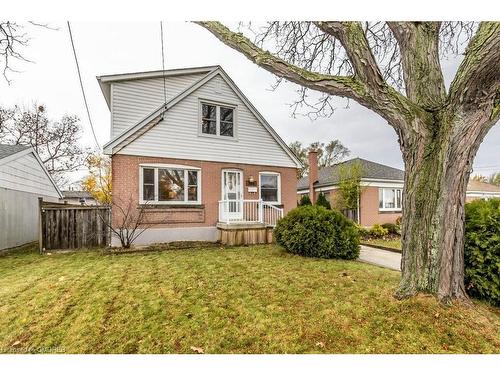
[249, 211]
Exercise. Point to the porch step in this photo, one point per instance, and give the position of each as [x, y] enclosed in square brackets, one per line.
[244, 234]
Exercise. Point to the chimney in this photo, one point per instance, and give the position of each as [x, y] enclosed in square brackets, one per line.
[313, 173]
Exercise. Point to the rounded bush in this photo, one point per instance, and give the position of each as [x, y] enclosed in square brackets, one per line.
[378, 231]
[391, 228]
[482, 250]
[315, 231]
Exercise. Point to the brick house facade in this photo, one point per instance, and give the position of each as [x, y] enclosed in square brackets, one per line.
[125, 182]
[204, 158]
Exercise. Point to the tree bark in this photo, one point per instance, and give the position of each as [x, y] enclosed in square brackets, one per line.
[437, 170]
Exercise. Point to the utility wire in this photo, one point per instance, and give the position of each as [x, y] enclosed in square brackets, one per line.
[163, 66]
[81, 86]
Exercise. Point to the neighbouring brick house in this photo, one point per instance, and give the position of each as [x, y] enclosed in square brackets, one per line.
[204, 161]
[381, 189]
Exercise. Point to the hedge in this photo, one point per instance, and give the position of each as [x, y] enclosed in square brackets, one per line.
[482, 250]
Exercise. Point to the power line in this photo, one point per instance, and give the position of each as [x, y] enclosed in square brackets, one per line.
[81, 86]
[163, 65]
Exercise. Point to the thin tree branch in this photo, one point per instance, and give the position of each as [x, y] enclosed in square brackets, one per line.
[387, 102]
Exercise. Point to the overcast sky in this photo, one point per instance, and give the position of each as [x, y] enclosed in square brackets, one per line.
[106, 48]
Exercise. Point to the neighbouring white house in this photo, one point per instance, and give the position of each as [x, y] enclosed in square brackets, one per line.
[23, 179]
[197, 157]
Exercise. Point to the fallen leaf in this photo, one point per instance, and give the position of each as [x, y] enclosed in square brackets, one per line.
[320, 344]
[436, 315]
[197, 350]
[17, 343]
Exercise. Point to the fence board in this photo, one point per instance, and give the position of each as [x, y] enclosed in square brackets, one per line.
[72, 227]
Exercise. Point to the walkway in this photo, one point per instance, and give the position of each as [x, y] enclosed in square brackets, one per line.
[379, 257]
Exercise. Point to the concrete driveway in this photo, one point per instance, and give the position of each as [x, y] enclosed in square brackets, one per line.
[379, 257]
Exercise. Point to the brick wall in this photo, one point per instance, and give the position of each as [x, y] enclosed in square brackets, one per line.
[370, 213]
[125, 179]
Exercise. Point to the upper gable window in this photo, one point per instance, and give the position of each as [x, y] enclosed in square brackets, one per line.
[217, 120]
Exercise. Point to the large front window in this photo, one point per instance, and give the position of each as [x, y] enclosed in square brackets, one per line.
[169, 185]
[269, 187]
[217, 120]
[389, 199]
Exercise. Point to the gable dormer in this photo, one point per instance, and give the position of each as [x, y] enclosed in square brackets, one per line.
[206, 117]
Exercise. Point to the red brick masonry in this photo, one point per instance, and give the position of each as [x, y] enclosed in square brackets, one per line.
[125, 172]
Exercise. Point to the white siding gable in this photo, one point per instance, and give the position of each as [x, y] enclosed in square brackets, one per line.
[177, 136]
[132, 101]
[26, 174]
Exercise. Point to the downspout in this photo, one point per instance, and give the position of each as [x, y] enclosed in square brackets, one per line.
[358, 213]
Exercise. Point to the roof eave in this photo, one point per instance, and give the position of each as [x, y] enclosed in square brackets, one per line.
[105, 81]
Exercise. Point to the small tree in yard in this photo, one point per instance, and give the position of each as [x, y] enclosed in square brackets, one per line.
[305, 201]
[98, 182]
[322, 201]
[129, 221]
[393, 68]
[349, 188]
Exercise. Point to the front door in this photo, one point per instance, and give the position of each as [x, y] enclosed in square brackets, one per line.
[232, 195]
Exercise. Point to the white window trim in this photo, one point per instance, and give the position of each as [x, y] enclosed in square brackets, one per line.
[395, 209]
[186, 168]
[279, 186]
[217, 104]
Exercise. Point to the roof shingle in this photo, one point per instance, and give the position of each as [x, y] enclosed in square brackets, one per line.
[370, 170]
[7, 150]
[376, 171]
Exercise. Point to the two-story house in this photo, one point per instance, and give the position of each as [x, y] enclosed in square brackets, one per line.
[188, 147]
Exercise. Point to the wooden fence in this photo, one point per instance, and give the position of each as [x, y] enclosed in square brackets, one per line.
[64, 226]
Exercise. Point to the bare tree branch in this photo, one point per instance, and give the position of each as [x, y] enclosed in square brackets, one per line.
[12, 41]
[387, 102]
[56, 142]
[353, 38]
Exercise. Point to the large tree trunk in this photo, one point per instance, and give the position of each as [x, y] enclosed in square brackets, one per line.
[437, 169]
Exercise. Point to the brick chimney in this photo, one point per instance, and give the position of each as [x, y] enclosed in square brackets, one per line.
[313, 173]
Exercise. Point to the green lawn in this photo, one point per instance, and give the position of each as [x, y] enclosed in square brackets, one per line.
[392, 243]
[237, 300]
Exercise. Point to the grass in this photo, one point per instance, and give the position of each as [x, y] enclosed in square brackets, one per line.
[236, 300]
[391, 242]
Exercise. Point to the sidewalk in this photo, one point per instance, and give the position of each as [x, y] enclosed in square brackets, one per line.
[379, 257]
